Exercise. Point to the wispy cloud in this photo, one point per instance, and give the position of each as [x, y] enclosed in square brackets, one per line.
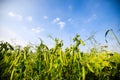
[11, 14]
[17, 16]
[37, 29]
[29, 18]
[12, 36]
[59, 22]
[93, 17]
[56, 20]
[62, 24]
[45, 17]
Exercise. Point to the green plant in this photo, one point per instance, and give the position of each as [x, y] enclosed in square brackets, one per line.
[17, 63]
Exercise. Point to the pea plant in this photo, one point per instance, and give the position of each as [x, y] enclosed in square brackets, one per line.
[17, 63]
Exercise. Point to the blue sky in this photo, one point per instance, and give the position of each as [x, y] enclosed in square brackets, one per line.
[23, 21]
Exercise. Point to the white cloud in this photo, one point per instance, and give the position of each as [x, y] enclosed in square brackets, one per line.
[56, 20]
[11, 14]
[37, 29]
[21, 36]
[59, 22]
[12, 37]
[29, 18]
[17, 16]
[33, 30]
[45, 17]
[62, 24]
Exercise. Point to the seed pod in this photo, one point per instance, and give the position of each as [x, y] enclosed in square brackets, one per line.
[83, 73]
[89, 67]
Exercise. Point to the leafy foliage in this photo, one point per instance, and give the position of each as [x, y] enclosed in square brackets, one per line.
[18, 63]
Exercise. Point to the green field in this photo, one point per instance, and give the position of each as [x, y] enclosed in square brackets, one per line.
[42, 63]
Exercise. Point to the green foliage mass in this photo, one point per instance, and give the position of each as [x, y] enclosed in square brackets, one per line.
[17, 63]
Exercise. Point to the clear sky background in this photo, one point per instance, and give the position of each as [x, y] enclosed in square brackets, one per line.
[23, 21]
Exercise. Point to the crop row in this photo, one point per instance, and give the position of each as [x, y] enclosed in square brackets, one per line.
[17, 63]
